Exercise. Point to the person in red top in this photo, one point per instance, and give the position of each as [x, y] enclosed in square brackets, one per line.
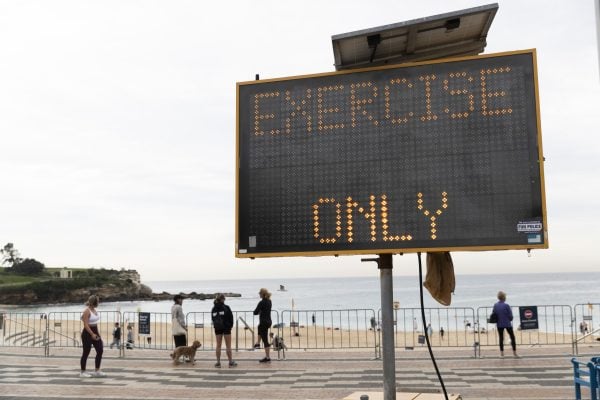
[505, 317]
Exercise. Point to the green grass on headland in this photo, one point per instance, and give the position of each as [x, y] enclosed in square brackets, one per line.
[8, 279]
[47, 286]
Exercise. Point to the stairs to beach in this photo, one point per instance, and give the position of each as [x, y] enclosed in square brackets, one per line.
[23, 339]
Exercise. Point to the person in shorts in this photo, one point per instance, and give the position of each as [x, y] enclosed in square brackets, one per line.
[222, 319]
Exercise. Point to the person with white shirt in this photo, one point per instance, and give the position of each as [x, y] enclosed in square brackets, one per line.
[178, 325]
[91, 337]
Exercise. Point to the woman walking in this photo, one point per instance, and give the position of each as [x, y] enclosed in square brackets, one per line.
[263, 310]
[505, 317]
[91, 337]
[178, 326]
[222, 319]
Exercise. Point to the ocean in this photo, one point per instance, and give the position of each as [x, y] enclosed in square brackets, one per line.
[363, 293]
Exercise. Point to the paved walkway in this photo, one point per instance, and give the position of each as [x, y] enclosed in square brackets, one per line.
[145, 374]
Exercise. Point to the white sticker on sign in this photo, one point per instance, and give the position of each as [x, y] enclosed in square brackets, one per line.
[529, 226]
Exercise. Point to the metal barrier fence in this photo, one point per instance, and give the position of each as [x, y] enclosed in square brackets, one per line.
[328, 329]
[152, 332]
[64, 328]
[243, 334]
[22, 329]
[586, 324]
[309, 329]
[555, 327]
[449, 327]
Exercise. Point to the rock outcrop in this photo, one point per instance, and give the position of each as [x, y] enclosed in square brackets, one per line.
[193, 295]
[109, 285]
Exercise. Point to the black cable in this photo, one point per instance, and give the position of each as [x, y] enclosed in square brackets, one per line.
[437, 371]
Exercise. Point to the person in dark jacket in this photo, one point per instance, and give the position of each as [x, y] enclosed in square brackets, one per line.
[505, 317]
[263, 310]
[222, 319]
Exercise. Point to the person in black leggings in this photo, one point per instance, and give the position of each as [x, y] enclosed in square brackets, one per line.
[263, 310]
[505, 317]
[91, 337]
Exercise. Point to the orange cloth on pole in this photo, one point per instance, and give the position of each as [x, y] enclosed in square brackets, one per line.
[440, 279]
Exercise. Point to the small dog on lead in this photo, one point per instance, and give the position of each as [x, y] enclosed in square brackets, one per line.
[186, 351]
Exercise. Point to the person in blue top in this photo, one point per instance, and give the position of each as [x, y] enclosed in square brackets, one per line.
[505, 317]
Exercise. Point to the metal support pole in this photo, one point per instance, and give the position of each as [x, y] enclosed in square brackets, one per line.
[237, 335]
[123, 338]
[46, 344]
[385, 265]
[597, 12]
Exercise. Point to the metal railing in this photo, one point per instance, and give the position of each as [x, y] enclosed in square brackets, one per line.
[328, 329]
[64, 328]
[243, 332]
[448, 327]
[158, 336]
[555, 327]
[23, 329]
[586, 324]
[310, 329]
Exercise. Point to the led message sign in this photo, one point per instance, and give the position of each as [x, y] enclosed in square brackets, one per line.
[432, 156]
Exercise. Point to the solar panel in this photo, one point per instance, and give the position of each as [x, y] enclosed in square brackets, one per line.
[458, 33]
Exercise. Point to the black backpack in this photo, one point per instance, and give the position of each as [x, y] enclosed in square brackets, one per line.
[218, 319]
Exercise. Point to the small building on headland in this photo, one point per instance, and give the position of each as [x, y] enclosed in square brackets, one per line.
[66, 273]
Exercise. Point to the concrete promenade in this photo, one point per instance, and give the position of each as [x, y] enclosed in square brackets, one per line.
[540, 373]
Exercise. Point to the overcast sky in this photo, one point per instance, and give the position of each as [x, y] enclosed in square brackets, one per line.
[117, 127]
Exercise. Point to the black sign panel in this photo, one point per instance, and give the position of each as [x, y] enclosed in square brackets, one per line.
[144, 323]
[430, 156]
[529, 317]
